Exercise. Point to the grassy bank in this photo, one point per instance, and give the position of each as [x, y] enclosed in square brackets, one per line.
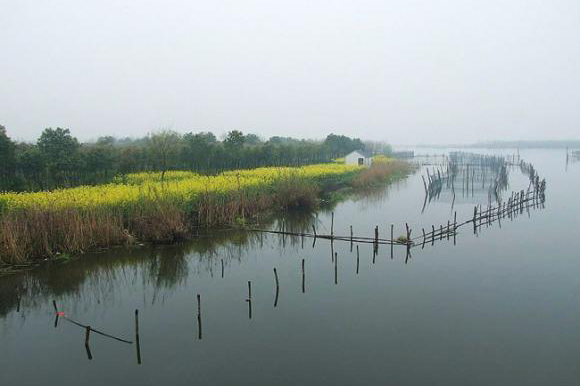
[142, 207]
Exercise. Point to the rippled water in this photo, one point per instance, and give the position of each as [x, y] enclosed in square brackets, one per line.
[498, 308]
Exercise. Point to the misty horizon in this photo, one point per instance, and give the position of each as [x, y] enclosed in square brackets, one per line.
[407, 73]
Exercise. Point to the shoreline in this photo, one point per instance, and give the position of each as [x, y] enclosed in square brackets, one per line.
[37, 235]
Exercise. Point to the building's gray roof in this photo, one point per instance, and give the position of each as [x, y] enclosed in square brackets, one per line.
[364, 153]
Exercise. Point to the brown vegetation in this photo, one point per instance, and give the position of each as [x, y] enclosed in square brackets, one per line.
[29, 234]
[380, 172]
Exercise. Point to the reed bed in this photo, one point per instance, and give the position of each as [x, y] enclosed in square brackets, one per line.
[145, 207]
[380, 171]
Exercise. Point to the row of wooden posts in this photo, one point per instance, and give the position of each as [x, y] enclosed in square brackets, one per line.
[518, 201]
[515, 204]
[473, 166]
[532, 198]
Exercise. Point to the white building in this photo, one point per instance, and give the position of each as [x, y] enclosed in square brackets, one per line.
[358, 157]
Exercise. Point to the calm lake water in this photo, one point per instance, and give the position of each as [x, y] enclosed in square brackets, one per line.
[498, 308]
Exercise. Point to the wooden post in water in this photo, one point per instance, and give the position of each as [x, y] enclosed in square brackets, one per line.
[423, 245]
[331, 250]
[222, 268]
[303, 278]
[87, 335]
[376, 243]
[277, 287]
[392, 236]
[87, 347]
[276, 278]
[17, 299]
[357, 259]
[351, 235]
[199, 316]
[137, 343]
[332, 225]
[433, 235]
[249, 300]
[335, 268]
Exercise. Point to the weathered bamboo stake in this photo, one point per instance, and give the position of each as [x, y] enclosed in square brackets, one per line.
[87, 347]
[357, 259]
[87, 335]
[423, 245]
[448, 225]
[277, 289]
[392, 236]
[222, 268]
[351, 236]
[433, 235]
[137, 342]
[304, 277]
[335, 268]
[249, 300]
[17, 299]
[332, 250]
[332, 224]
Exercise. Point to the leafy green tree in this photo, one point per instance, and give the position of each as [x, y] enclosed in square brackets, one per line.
[7, 161]
[252, 139]
[340, 145]
[30, 167]
[60, 151]
[234, 140]
[198, 150]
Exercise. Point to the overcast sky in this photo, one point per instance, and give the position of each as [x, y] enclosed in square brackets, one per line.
[406, 71]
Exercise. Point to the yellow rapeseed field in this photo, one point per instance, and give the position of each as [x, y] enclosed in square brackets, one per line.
[179, 185]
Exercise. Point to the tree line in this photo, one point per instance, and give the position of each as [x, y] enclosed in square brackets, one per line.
[57, 159]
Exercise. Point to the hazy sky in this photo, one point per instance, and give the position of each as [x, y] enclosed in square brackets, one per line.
[406, 71]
